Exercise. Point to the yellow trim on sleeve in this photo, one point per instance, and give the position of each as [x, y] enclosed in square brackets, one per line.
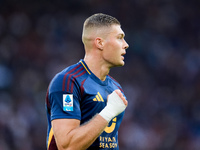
[50, 137]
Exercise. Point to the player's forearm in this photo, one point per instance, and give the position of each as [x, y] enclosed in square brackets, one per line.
[83, 136]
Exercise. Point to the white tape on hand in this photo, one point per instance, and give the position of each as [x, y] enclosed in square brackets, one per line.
[114, 107]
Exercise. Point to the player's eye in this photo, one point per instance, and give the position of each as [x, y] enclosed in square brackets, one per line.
[120, 37]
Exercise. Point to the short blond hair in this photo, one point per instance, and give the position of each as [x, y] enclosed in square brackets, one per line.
[100, 20]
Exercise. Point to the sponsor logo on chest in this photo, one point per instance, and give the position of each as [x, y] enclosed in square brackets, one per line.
[98, 97]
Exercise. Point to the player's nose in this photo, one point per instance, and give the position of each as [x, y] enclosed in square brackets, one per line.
[125, 45]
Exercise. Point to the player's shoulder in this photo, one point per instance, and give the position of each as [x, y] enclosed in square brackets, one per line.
[67, 77]
[56, 83]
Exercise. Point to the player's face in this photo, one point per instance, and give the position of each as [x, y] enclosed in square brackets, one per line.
[115, 47]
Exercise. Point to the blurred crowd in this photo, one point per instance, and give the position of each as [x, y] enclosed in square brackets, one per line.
[161, 77]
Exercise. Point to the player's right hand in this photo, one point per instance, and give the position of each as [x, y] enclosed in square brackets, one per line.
[119, 93]
[116, 104]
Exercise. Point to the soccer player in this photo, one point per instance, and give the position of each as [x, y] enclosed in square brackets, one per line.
[85, 105]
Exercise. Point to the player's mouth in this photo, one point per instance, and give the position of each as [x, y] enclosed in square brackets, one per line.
[122, 55]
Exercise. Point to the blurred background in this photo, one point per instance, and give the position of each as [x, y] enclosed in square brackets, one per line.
[161, 78]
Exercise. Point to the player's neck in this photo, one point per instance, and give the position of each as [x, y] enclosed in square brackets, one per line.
[97, 67]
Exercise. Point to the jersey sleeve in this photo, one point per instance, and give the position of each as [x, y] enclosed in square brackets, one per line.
[64, 104]
[58, 106]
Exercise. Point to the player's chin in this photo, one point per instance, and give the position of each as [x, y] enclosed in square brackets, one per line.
[118, 63]
[121, 63]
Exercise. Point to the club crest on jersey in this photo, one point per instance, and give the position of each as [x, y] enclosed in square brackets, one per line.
[67, 102]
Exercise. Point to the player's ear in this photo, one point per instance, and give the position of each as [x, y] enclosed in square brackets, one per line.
[99, 43]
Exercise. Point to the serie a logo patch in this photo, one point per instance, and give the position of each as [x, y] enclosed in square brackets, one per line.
[67, 102]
